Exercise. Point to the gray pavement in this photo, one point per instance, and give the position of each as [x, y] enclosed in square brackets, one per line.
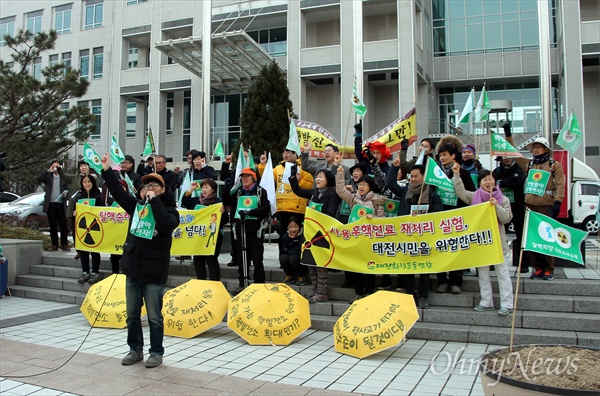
[49, 355]
[48, 348]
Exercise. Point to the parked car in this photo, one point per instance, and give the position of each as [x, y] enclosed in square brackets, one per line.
[8, 197]
[29, 209]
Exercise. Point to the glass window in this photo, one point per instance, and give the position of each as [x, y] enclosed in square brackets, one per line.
[7, 27]
[170, 116]
[37, 68]
[132, 57]
[93, 15]
[491, 7]
[34, 22]
[98, 62]
[133, 2]
[529, 34]
[62, 21]
[187, 121]
[590, 189]
[474, 8]
[510, 34]
[131, 119]
[97, 111]
[493, 36]
[66, 59]
[455, 9]
[475, 37]
[457, 40]
[53, 60]
[510, 6]
[84, 63]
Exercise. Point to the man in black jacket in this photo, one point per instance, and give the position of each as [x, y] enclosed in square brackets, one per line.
[511, 178]
[55, 203]
[448, 156]
[145, 260]
[127, 167]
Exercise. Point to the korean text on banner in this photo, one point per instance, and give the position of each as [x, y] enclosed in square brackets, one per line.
[104, 230]
[428, 243]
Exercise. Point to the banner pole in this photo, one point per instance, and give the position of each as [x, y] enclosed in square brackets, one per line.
[523, 243]
[346, 136]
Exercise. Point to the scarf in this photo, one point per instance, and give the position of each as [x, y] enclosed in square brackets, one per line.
[321, 191]
[412, 195]
[540, 159]
[483, 196]
[206, 201]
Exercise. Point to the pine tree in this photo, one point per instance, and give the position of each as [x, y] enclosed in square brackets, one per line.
[33, 128]
[264, 119]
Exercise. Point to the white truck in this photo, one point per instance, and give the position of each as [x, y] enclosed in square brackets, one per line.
[582, 196]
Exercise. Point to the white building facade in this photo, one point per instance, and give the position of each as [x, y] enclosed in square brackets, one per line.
[144, 61]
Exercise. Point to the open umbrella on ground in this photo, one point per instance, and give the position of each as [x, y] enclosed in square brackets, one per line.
[104, 303]
[268, 314]
[375, 323]
[194, 307]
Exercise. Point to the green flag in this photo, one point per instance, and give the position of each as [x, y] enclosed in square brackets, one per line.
[250, 163]
[468, 109]
[116, 154]
[483, 107]
[293, 144]
[542, 234]
[435, 176]
[357, 103]
[218, 152]
[570, 137]
[149, 148]
[500, 147]
[241, 164]
[92, 158]
[536, 182]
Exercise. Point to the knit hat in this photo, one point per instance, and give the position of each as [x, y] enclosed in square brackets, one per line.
[469, 147]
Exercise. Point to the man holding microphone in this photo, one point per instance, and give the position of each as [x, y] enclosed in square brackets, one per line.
[145, 261]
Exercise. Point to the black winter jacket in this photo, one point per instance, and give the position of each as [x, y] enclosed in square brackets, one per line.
[329, 199]
[146, 260]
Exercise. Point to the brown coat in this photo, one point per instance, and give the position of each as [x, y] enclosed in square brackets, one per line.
[555, 190]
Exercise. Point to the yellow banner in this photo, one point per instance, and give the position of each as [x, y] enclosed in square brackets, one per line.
[320, 138]
[104, 230]
[404, 127]
[428, 243]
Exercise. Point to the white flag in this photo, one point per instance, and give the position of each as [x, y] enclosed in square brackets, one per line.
[468, 109]
[268, 183]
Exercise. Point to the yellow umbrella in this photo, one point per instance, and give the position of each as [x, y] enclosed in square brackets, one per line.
[104, 303]
[194, 307]
[268, 314]
[375, 323]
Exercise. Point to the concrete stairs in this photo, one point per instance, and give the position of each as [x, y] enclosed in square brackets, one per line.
[565, 311]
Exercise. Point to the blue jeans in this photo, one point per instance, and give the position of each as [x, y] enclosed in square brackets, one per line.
[152, 295]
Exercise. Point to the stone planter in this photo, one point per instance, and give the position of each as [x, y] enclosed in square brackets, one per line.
[495, 384]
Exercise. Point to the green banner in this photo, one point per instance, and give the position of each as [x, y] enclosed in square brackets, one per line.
[435, 176]
[316, 206]
[536, 182]
[246, 202]
[547, 236]
[500, 147]
[391, 208]
[143, 223]
[359, 212]
[448, 196]
[570, 137]
[92, 158]
[509, 193]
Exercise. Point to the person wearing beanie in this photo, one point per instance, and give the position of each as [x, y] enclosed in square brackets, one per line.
[470, 162]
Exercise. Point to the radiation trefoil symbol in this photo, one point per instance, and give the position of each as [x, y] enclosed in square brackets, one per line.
[558, 235]
[90, 231]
